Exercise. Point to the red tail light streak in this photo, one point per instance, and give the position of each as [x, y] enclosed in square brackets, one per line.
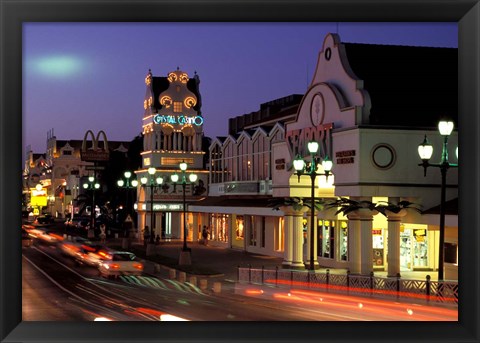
[365, 291]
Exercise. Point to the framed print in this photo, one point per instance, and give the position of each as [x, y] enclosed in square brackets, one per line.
[16, 14]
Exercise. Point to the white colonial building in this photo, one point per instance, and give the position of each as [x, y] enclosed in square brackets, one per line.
[369, 107]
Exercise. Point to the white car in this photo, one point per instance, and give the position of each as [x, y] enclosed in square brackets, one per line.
[121, 263]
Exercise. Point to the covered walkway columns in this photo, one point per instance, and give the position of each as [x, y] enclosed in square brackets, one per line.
[393, 256]
[293, 251]
[360, 240]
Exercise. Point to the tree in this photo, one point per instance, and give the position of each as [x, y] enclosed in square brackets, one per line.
[347, 206]
[296, 202]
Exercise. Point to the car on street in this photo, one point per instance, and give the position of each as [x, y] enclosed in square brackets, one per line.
[47, 236]
[70, 247]
[92, 254]
[42, 234]
[121, 263]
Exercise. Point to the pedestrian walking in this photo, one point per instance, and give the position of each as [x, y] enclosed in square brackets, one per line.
[103, 235]
[205, 235]
[146, 235]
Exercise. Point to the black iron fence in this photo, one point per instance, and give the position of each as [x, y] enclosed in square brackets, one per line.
[379, 287]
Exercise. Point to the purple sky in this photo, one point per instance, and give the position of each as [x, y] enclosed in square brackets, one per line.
[80, 76]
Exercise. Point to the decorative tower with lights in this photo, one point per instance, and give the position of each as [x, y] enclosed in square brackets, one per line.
[173, 133]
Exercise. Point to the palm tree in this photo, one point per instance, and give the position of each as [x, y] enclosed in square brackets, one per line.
[297, 203]
[347, 206]
[396, 208]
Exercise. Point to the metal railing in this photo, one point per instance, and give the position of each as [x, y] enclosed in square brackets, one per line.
[445, 292]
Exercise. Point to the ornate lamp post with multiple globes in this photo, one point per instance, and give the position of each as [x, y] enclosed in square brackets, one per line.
[152, 183]
[128, 186]
[93, 186]
[425, 150]
[185, 257]
[303, 167]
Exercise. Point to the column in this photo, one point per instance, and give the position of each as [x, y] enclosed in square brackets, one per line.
[354, 243]
[393, 255]
[366, 219]
[195, 235]
[288, 244]
[297, 240]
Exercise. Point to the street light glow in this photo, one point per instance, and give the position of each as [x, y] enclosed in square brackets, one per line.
[445, 127]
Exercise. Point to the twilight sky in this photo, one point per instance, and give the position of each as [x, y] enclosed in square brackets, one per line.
[80, 76]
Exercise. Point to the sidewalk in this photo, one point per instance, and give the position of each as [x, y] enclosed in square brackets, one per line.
[220, 261]
[223, 262]
[214, 270]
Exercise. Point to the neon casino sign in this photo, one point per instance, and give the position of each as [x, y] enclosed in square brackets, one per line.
[178, 119]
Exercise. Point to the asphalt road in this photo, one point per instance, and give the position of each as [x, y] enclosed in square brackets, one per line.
[57, 289]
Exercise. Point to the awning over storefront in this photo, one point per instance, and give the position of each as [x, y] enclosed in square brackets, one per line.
[451, 214]
[235, 205]
[451, 208]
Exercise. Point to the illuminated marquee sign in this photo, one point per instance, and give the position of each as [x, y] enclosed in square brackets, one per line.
[178, 120]
[161, 207]
[167, 207]
[298, 139]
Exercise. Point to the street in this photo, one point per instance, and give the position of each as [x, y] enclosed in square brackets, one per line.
[55, 288]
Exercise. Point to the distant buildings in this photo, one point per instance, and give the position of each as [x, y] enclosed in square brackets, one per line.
[60, 172]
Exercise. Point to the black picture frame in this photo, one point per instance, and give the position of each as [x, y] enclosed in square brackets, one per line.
[14, 13]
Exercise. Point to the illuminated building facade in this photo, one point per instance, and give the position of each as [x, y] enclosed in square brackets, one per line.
[173, 133]
[59, 171]
[369, 107]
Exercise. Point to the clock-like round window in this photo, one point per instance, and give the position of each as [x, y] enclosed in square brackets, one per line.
[383, 156]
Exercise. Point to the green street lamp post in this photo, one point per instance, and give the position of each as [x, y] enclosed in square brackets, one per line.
[154, 182]
[128, 185]
[175, 178]
[425, 151]
[93, 186]
[310, 168]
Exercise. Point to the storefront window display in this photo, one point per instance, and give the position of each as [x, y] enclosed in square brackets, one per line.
[219, 227]
[343, 240]
[239, 227]
[420, 245]
[326, 241]
[413, 247]
[378, 247]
